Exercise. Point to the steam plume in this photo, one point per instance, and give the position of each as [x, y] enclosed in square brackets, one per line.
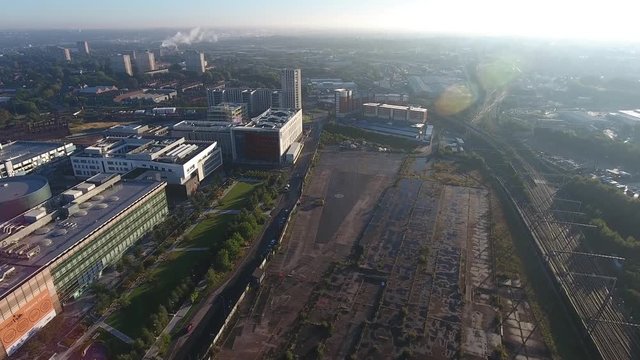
[195, 35]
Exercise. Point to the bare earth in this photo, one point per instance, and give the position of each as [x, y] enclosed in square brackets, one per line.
[350, 183]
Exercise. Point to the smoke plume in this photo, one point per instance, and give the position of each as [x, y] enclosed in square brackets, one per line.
[195, 35]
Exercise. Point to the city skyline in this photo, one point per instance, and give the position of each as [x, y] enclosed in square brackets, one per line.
[545, 18]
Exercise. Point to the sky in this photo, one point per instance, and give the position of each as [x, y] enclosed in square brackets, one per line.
[580, 19]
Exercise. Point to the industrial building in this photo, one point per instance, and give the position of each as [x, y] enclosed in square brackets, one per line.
[416, 115]
[151, 96]
[21, 157]
[266, 138]
[180, 162]
[52, 252]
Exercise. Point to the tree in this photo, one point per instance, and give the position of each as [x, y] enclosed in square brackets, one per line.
[213, 278]
[139, 346]
[222, 260]
[194, 296]
[147, 336]
[5, 116]
[165, 340]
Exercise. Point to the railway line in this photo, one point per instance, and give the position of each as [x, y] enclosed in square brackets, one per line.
[582, 277]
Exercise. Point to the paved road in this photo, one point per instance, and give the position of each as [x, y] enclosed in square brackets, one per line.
[209, 319]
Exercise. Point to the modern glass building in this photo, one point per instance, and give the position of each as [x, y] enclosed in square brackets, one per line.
[52, 253]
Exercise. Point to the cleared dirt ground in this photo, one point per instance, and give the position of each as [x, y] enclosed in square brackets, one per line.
[349, 184]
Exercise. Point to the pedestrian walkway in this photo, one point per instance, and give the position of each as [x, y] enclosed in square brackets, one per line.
[191, 249]
[223, 212]
[153, 350]
[117, 333]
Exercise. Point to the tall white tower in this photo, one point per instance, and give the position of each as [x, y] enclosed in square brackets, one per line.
[291, 80]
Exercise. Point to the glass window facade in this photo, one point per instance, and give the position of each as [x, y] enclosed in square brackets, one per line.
[72, 275]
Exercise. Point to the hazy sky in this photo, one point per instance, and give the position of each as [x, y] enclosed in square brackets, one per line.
[611, 19]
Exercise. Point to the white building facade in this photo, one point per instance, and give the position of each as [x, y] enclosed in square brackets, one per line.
[178, 160]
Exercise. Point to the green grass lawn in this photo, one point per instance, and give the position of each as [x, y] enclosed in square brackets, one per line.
[146, 299]
[115, 345]
[238, 196]
[208, 231]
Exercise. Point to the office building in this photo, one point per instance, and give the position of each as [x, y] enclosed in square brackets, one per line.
[83, 48]
[194, 61]
[51, 253]
[136, 130]
[180, 162]
[215, 96]
[21, 157]
[228, 112]
[266, 138]
[260, 101]
[210, 131]
[344, 102]
[323, 91]
[122, 64]
[276, 99]
[416, 115]
[146, 62]
[291, 83]
[257, 100]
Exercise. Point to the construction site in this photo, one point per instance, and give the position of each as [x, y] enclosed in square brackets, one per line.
[387, 256]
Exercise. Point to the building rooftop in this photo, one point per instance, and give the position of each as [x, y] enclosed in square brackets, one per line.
[396, 107]
[271, 119]
[203, 125]
[60, 228]
[166, 150]
[19, 151]
[15, 187]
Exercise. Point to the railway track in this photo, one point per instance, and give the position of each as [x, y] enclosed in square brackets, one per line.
[579, 276]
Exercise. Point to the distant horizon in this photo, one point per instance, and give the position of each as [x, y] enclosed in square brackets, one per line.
[301, 32]
[543, 19]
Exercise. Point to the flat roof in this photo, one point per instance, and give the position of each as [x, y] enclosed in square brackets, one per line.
[203, 125]
[271, 119]
[58, 236]
[20, 151]
[15, 187]
[166, 150]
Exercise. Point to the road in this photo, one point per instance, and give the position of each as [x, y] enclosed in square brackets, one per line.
[210, 317]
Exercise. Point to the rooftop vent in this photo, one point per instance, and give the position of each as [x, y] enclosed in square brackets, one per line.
[43, 230]
[114, 198]
[101, 206]
[59, 232]
[97, 198]
[46, 242]
[80, 213]
[86, 205]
